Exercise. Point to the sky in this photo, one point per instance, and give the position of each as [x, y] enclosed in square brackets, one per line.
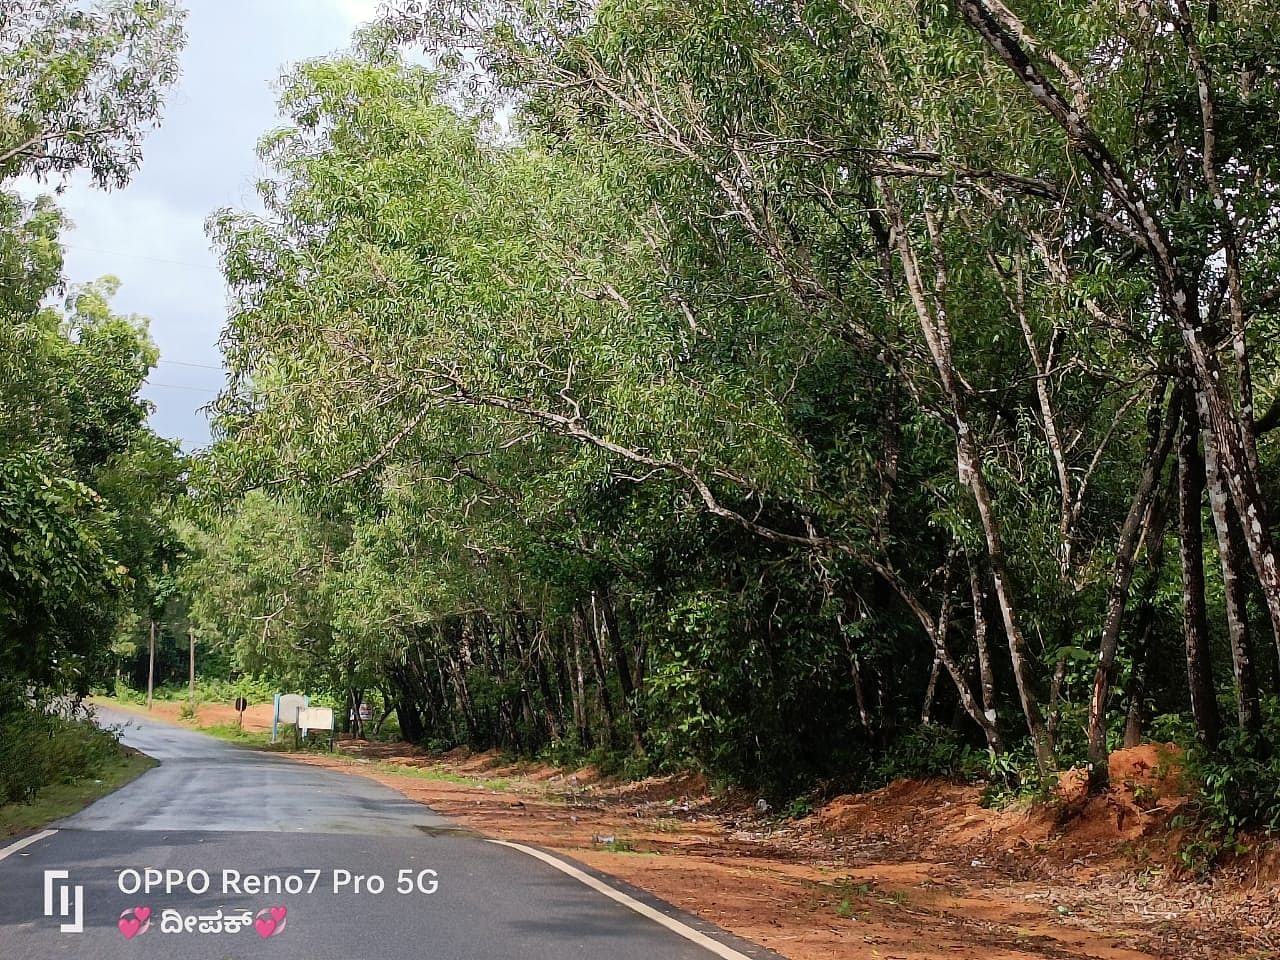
[202, 158]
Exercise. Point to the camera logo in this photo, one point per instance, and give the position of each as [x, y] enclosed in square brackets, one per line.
[70, 901]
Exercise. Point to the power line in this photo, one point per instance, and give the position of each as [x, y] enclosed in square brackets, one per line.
[142, 256]
[188, 363]
[179, 386]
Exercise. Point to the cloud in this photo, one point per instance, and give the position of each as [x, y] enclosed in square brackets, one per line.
[151, 234]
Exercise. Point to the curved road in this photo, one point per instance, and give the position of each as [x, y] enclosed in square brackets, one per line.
[304, 836]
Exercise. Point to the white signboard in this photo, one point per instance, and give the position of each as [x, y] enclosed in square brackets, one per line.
[287, 706]
[290, 704]
[315, 718]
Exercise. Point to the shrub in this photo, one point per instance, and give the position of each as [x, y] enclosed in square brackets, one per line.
[929, 751]
[1236, 790]
[38, 748]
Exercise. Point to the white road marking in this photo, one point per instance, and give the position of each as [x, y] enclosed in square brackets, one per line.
[25, 842]
[657, 916]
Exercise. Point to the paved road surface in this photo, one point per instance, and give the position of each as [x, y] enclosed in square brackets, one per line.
[229, 811]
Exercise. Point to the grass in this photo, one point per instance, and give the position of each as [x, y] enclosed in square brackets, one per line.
[427, 773]
[231, 732]
[63, 799]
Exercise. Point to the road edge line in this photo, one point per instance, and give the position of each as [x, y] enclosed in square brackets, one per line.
[722, 950]
[24, 843]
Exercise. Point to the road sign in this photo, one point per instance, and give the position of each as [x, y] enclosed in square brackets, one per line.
[314, 718]
[241, 704]
[286, 711]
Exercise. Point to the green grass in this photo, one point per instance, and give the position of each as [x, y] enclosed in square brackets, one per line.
[63, 799]
[259, 739]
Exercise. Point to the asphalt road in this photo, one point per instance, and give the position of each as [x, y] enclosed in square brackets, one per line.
[212, 820]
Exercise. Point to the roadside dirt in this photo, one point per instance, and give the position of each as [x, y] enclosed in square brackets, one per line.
[919, 870]
[256, 718]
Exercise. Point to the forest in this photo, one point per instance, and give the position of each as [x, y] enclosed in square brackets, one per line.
[811, 394]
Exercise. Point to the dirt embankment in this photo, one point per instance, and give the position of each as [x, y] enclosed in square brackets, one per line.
[919, 870]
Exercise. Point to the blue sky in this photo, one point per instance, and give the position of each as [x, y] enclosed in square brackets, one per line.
[151, 234]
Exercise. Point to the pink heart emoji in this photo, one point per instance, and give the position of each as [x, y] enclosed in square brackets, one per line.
[277, 913]
[129, 927]
[264, 927]
[142, 913]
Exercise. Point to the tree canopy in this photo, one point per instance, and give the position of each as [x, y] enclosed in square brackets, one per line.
[84, 482]
[813, 392]
[751, 384]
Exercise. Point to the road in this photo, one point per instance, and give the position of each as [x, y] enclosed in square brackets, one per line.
[303, 836]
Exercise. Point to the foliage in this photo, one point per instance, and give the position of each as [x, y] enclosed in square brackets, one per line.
[85, 486]
[687, 384]
[811, 394]
[929, 751]
[1237, 793]
[83, 83]
[39, 748]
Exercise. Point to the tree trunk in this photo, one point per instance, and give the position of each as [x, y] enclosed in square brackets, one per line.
[602, 677]
[1195, 627]
[1146, 619]
[533, 651]
[1055, 694]
[1231, 431]
[986, 675]
[927, 709]
[151, 665]
[937, 631]
[1158, 446]
[621, 663]
[1230, 558]
[577, 685]
[860, 695]
[1135, 715]
[932, 316]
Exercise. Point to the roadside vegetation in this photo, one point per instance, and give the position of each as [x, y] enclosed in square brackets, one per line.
[816, 397]
[87, 542]
[812, 395]
[53, 765]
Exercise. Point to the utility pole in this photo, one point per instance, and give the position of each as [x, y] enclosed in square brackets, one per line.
[191, 692]
[151, 666]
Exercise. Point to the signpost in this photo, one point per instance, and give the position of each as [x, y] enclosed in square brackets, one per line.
[191, 689]
[287, 706]
[314, 718]
[151, 665]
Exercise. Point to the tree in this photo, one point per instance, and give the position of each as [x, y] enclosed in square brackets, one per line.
[83, 84]
[706, 379]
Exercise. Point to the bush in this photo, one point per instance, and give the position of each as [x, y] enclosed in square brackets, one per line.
[126, 694]
[217, 690]
[930, 751]
[1236, 790]
[39, 748]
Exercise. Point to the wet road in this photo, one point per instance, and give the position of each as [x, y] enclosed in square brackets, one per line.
[192, 858]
